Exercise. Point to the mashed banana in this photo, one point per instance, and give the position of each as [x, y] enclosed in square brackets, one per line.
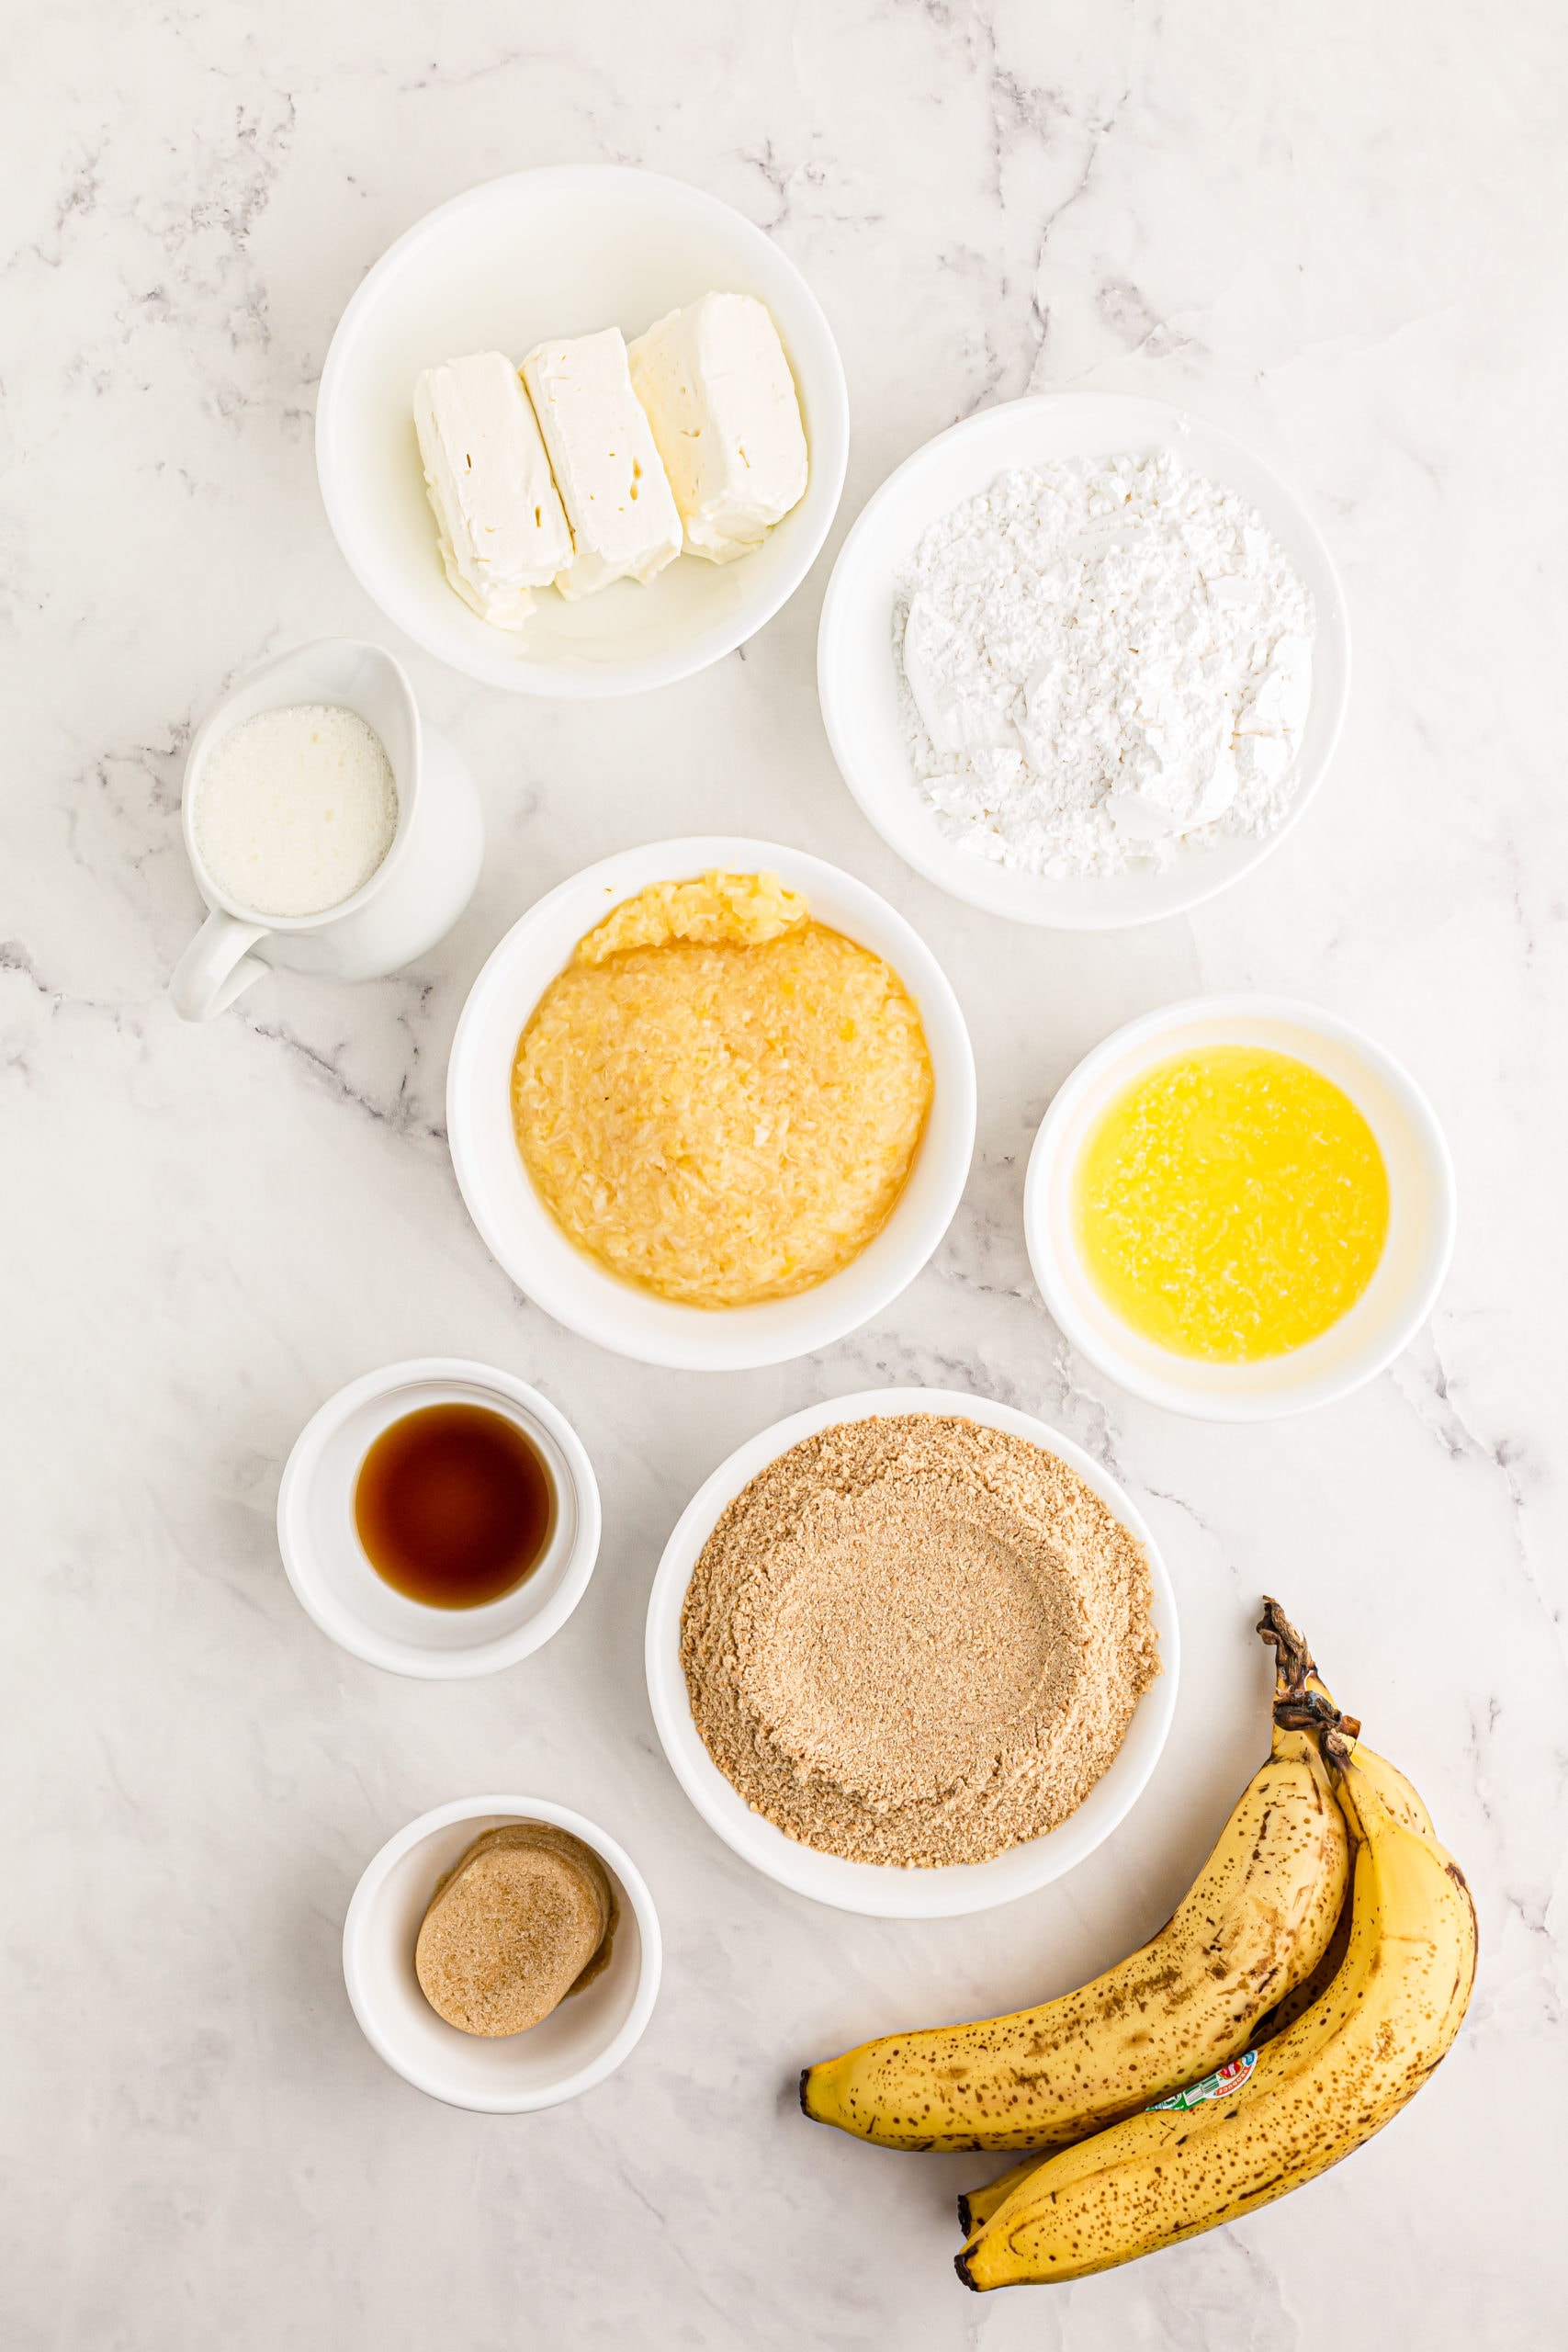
[720, 1099]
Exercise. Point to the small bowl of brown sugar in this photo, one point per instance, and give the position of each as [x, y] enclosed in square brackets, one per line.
[501, 1953]
[912, 1653]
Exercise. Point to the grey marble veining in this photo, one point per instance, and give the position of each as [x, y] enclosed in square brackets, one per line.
[1338, 230]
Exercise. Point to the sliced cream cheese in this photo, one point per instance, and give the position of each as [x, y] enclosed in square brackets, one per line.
[623, 524]
[722, 403]
[501, 526]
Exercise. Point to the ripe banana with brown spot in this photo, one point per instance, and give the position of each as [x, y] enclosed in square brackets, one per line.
[1256, 1922]
[1298, 1686]
[1307, 2098]
[1405, 1804]
[976, 2206]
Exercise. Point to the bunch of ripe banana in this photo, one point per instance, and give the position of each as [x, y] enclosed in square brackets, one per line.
[1314, 1977]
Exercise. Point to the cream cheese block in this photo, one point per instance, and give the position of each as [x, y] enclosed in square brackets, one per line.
[501, 526]
[612, 484]
[722, 403]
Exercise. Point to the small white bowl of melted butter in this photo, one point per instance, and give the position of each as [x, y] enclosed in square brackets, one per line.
[515, 354]
[1239, 1207]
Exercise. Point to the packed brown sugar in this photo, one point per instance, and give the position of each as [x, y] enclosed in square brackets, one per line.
[719, 1099]
[917, 1641]
[523, 1918]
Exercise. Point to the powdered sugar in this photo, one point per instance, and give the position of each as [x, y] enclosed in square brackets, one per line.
[1099, 661]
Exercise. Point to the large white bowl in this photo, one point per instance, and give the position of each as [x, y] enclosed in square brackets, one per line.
[561, 251]
[857, 680]
[1391, 1308]
[520, 1230]
[335, 1582]
[575, 2046]
[876, 1889]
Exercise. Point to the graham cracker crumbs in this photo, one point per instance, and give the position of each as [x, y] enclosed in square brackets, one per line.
[917, 1641]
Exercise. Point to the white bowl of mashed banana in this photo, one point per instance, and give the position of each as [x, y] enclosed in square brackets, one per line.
[711, 1104]
[545, 353]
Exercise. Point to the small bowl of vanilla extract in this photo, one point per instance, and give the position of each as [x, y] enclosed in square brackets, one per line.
[439, 1518]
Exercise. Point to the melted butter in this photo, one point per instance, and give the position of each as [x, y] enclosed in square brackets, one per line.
[1231, 1204]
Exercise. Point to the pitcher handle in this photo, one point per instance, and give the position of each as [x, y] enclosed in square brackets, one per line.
[217, 966]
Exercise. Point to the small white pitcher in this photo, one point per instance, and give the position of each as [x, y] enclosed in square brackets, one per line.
[415, 894]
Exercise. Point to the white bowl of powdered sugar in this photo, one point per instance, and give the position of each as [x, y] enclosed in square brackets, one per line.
[1083, 660]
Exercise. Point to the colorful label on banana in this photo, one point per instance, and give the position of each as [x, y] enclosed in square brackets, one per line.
[1229, 2078]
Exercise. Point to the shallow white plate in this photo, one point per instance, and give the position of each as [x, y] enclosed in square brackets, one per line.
[575, 2046]
[524, 1238]
[561, 251]
[857, 680]
[335, 1582]
[1391, 1308]
[872, 1888]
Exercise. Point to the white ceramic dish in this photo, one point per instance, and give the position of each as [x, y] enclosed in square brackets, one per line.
[873, 1889]
[335, 1583]
[421, 886]
[561, 251]
[1415, 1256]
[524, 1238]
[566, 2053]
[857, 680]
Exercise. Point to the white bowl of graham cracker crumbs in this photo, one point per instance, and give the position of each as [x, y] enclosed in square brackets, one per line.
[1122, 1736]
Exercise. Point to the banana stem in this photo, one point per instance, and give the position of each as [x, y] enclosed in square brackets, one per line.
[1301, 1702]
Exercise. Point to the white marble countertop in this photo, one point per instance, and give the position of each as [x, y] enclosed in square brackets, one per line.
[1332, 230]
